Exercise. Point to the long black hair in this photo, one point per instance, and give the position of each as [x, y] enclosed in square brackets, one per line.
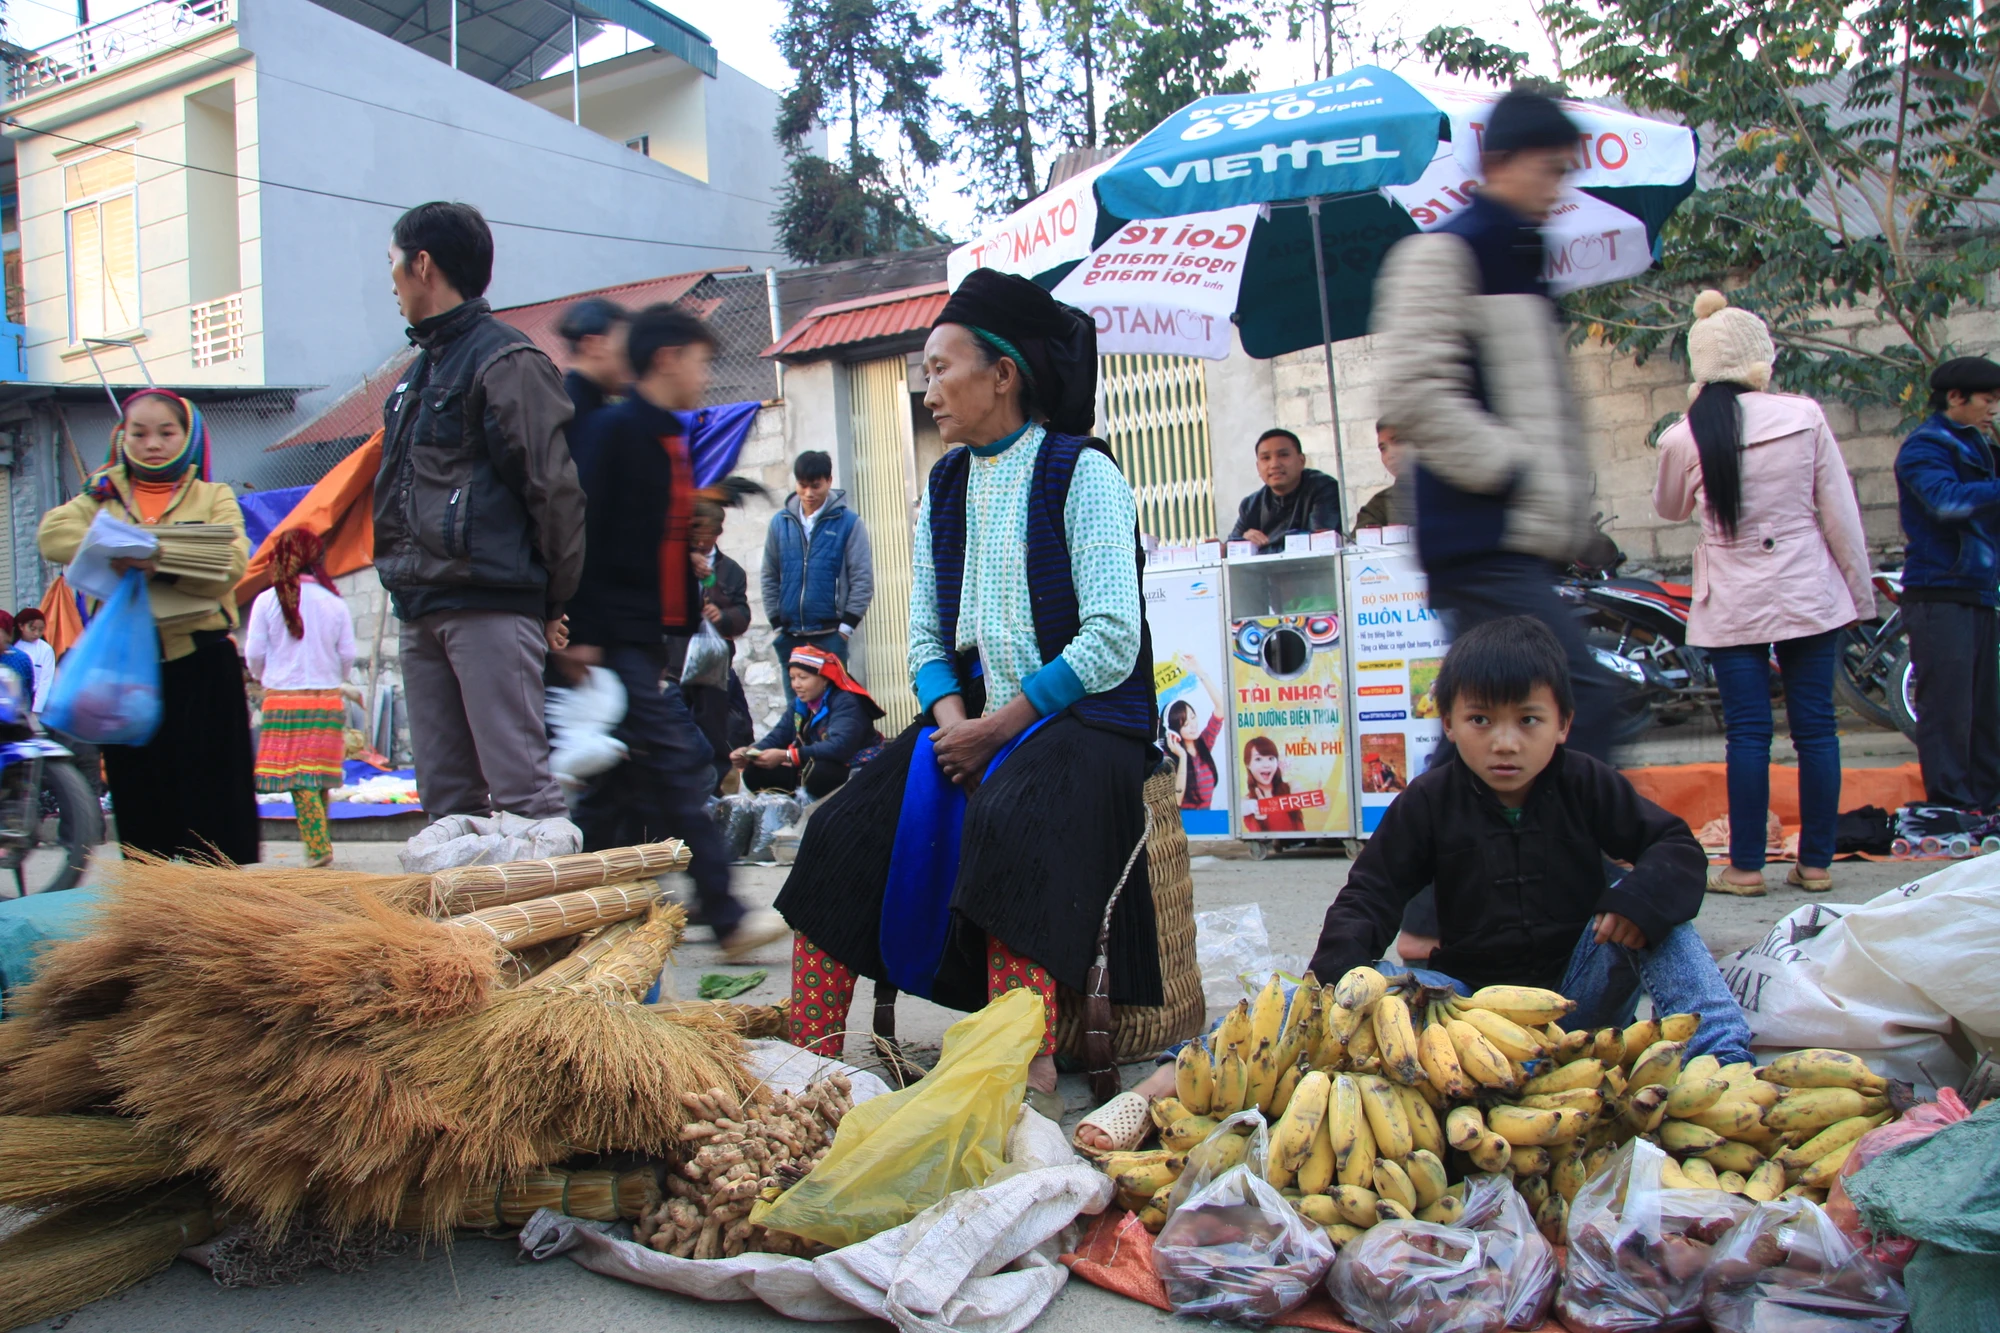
[1716, 419]
[1179, 713]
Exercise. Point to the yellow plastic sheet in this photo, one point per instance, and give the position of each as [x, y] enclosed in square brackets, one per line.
[898, 1154]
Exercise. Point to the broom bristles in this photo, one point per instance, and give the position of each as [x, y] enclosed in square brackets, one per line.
[598, 945]
[50, 1157]
[474, 888]
[85, 1254]
[64, 1073]
[628, 971]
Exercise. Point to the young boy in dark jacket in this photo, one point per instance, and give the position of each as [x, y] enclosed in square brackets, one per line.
[639, 585]
[1514, 831]
[1948, 495]
[827, 733]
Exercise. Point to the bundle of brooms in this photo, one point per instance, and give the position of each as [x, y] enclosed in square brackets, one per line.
[368, 1049]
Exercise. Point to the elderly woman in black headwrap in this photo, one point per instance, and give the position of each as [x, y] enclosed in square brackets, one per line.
[979, 853]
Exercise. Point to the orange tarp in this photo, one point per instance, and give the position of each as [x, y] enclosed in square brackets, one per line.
[340, 509]
[65, 625]
[1700, 792]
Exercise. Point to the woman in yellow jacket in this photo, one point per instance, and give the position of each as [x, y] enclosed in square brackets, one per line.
[190, 791]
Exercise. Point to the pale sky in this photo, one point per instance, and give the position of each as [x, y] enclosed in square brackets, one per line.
[743, 32]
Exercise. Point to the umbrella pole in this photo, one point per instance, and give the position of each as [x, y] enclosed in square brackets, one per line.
[1326, 345]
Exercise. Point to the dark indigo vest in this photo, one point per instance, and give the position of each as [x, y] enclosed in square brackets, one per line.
[1127, 707]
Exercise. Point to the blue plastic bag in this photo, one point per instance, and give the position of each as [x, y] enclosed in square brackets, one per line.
[107, 689]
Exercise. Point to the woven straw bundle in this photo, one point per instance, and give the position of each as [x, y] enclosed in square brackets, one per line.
[475, 888]
[315, 1039]
[518, 925]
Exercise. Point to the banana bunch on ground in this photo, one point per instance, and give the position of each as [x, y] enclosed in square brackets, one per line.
[1382, 1093]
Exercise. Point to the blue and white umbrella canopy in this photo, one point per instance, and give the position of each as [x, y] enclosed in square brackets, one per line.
[1204, 223]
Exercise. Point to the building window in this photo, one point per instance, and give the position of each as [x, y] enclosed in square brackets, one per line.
[643, 145]
[101, 234]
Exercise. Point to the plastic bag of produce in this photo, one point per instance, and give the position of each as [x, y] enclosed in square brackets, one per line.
[1237, 1250]
[775, 812]
[707, 660]
[108, 691]
[1637, 1251]
[897, 1155]
[1788, 1267]
[1919, 1123]
[1242, 1139]
[1489, 1272]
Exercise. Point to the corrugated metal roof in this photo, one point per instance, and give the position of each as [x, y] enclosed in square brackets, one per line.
[359, 412]
[864, 319]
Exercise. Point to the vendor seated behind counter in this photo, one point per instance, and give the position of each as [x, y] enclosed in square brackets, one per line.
[1293, 498]
[1514, 830]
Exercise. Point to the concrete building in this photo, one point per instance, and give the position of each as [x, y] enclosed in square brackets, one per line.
[205, 191]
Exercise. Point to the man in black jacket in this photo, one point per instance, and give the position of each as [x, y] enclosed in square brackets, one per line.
[639, 585]
[1514, 830]
[478, 525]
[1293, 498]
[599, 374]
[722, 712]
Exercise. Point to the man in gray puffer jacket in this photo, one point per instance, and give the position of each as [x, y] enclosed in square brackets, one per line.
[1475, 380]
[478, 525]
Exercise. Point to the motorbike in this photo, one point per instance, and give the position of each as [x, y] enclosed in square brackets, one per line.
[1876, 679]
[1637, 630]
[50, 818]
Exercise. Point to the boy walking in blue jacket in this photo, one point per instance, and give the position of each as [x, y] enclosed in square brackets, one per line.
[1948, 493]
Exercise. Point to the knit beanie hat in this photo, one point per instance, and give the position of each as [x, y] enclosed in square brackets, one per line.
[1727, 345]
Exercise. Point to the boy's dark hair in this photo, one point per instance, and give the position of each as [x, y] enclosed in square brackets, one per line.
[1501, 662]
[456, 238]
[1280, 433]
[658, 327]
[813, 465]
[592, 317]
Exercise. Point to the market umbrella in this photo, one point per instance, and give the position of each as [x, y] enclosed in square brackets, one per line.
[1208, 220]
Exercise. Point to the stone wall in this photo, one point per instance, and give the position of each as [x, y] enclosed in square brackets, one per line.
[1620, 400]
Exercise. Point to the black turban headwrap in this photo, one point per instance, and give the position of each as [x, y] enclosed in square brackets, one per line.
[1054, 344]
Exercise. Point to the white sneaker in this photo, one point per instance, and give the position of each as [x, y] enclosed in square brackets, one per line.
[759, 927]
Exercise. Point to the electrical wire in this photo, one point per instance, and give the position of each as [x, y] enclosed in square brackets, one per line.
[262, 72]
[263, 183]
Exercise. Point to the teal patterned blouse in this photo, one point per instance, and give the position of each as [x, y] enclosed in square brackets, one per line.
[994, 613]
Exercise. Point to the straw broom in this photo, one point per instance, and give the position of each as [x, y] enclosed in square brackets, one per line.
[587, 955]
[746, 1020]
[596, 1196]
[518, 925]
[84, 1254]
[628, 970]
[473, 888]
[48, 1158]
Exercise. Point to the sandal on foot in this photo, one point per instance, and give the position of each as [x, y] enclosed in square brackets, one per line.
[1811, 883]
[1125, 1120]
[1717, 883]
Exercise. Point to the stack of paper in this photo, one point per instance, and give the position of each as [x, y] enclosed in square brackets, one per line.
[196, 550]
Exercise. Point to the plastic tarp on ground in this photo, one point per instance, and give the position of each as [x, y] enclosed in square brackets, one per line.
[30, 924]
[981, 1261]
[354, 773]
[1699, 793]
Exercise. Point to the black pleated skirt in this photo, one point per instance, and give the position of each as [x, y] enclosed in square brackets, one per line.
[1044, 844]
[190, 791]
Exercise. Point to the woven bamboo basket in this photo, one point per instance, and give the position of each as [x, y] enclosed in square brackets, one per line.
[474, 888]
[518, 925]
[1138, 1031]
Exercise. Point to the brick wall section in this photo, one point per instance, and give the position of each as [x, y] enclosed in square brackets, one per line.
[1620, 401]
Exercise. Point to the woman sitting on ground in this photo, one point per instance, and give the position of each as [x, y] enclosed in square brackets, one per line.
[979, 853]
[827, 733]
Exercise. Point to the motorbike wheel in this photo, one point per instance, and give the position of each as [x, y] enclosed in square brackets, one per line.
[1903, 693]
[49, 865]
[1867, 668]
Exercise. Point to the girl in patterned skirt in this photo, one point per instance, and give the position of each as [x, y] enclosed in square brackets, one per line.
[299, 645]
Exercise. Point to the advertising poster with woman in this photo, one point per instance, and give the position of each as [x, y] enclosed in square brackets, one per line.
[1290, 691]
[1184, 612]
[1398, 646]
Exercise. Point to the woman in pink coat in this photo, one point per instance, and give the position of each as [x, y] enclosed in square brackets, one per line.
[1781, 567]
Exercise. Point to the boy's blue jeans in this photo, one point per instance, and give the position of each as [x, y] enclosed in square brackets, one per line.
[1605, 980]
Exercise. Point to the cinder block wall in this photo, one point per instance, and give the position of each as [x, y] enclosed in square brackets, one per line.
[1620, 400]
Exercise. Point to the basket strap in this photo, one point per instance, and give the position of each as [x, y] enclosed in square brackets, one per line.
[1097, 1051]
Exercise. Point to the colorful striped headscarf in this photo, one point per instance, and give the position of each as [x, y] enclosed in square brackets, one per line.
[193, 455]
[297, 551]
